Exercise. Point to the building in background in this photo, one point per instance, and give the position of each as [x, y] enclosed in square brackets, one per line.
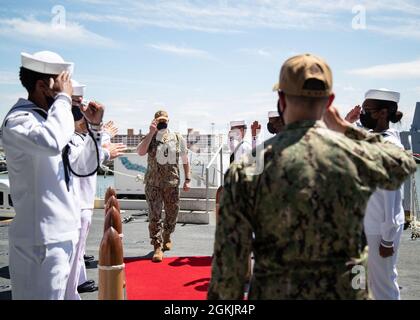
[202, 143]
[196, 142]
[131, 140]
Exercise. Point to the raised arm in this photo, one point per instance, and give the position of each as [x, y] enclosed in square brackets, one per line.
[380, 164]
[143, 146]
[25, 132]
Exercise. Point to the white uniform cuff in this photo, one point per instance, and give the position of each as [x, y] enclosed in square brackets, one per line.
[64, 95]
[387, 244]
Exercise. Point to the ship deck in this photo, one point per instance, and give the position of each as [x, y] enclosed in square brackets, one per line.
[194, 240]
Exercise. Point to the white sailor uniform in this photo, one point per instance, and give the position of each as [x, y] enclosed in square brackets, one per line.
[44, 230]
[238, 146]
[85, 190]
[88, 191]
[384, 219]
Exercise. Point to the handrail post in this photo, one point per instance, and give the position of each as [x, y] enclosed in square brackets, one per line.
[214, 158]
[207, 190]
[221, 167]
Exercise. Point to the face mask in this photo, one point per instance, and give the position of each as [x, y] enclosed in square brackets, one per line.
[50, 101]
[270, 128]
[276, 126]
[77, 114]
[367, 121]
[162, 125]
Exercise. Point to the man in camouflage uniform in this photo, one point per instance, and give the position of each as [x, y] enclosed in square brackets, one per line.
[164, 148]
[306, 208]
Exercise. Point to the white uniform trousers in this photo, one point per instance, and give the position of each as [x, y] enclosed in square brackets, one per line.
[382, 272]
[40, 272]
[86, 222]
[76, 266]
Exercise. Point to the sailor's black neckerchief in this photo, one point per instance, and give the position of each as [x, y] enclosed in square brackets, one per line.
[385, 134]
[232, 156]
[65, 154]
[66, 162]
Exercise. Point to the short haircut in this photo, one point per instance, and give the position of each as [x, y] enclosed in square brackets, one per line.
[28, 78]
[309, 102]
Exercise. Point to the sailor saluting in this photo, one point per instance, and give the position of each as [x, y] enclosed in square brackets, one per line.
[237, 145]
[384, 217]
[34, 132]
[89, 147]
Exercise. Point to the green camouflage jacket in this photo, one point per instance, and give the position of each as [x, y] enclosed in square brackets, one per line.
[163, 160]
[305, 211]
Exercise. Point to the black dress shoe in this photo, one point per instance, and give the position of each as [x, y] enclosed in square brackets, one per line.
[87, 287]
[88, 258]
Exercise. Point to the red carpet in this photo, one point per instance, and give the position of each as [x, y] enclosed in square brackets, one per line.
[182, 278]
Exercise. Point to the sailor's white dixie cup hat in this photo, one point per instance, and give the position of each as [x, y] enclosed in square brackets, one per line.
[78, 89]
[46, 62]
[383, 94]
[273, 114]
[237, 123]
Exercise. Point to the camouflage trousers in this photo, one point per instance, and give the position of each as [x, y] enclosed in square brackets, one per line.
[168, 198]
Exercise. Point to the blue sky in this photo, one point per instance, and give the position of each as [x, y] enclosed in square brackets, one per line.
[212, 61]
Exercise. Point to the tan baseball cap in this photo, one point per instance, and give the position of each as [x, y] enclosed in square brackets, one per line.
[161, 115]
[298, 69]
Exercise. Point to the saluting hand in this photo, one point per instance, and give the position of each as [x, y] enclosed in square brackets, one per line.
[334, 121]
[153, 127]
[354, 114]
[62, 84]
[93, 112]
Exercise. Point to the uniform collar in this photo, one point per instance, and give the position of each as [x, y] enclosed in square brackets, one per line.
[23, 102]
[305, 124]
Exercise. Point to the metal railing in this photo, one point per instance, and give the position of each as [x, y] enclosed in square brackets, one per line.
[414, 210]
[219, 153]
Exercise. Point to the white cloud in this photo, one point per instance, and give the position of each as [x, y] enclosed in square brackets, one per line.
[402, 70]
[102, 2]
[35, 30]
[181, 51]
[212, 17]
[239, 16]
[402, 27]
